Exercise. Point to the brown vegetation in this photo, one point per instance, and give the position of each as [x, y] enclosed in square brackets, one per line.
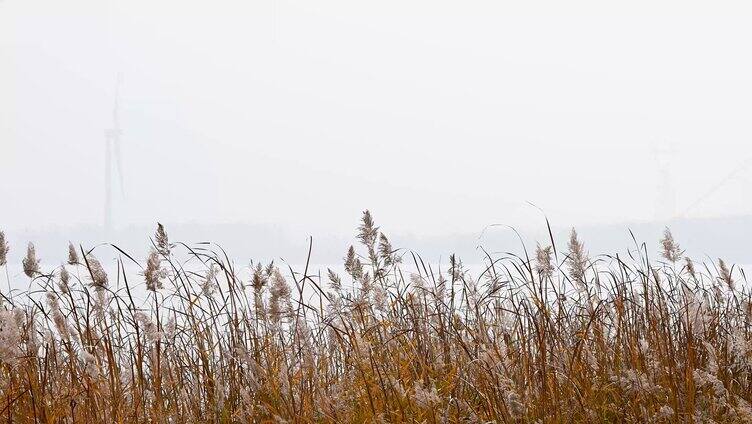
[560, 337]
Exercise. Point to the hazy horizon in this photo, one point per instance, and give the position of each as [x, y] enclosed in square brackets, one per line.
[438, 118]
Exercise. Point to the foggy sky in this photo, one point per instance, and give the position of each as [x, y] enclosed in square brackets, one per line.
[438, 116]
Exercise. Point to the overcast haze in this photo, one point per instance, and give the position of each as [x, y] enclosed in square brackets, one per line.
[438, 116]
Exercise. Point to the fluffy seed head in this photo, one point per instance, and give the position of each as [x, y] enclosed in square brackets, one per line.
[690, 267]
[163, 243]
[98, 276]
[259, 279]
[387, 252]
[725, 274]
[72, 255]
[64, 279]
[368, 230]
[543, 261]
[279, 299]
[335, 282]
[209, 284]
[3, 249]
[670, 250]
[353, 266]
[577, 258]
[10, 337]
[30, 262]
[153, 273]
[149, 327]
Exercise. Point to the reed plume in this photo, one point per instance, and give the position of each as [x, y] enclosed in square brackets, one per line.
[3, 249]
[577, 259]
[30, 262]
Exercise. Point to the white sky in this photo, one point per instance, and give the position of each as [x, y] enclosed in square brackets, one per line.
[438, 116]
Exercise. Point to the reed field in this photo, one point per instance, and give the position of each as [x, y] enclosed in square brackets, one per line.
[554, 334]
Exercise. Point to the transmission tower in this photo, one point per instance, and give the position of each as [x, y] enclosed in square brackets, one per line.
[112, 151]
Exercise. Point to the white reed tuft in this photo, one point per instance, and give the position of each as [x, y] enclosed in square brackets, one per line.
[3, 249]
[577, 259]
[10, 337]
[99, 280]
[544, 261]
[30, 262]
[153, 274]
[72, 255]
[670, 249]
[163, 243]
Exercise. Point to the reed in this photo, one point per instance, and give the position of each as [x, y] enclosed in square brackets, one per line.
[561, 337]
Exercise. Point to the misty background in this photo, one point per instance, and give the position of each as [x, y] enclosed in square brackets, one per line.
[258, 124]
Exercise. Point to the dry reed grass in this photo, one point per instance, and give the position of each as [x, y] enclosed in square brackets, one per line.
[562, 337]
